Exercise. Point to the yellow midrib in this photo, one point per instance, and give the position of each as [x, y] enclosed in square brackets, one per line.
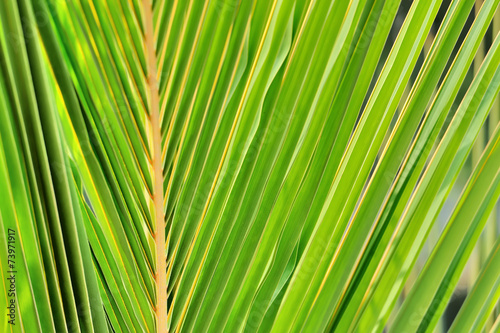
[159, 218]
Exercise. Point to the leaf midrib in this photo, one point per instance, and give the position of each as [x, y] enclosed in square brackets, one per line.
[159, 218]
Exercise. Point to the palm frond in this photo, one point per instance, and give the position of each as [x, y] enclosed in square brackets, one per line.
[235, 165]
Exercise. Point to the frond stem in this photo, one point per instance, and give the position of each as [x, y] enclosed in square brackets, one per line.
[159, 216]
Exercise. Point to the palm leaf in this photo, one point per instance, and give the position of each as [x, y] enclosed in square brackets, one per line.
[50, 253]
[246, 165]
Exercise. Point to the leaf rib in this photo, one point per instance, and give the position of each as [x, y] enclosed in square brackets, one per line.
[159, 218]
